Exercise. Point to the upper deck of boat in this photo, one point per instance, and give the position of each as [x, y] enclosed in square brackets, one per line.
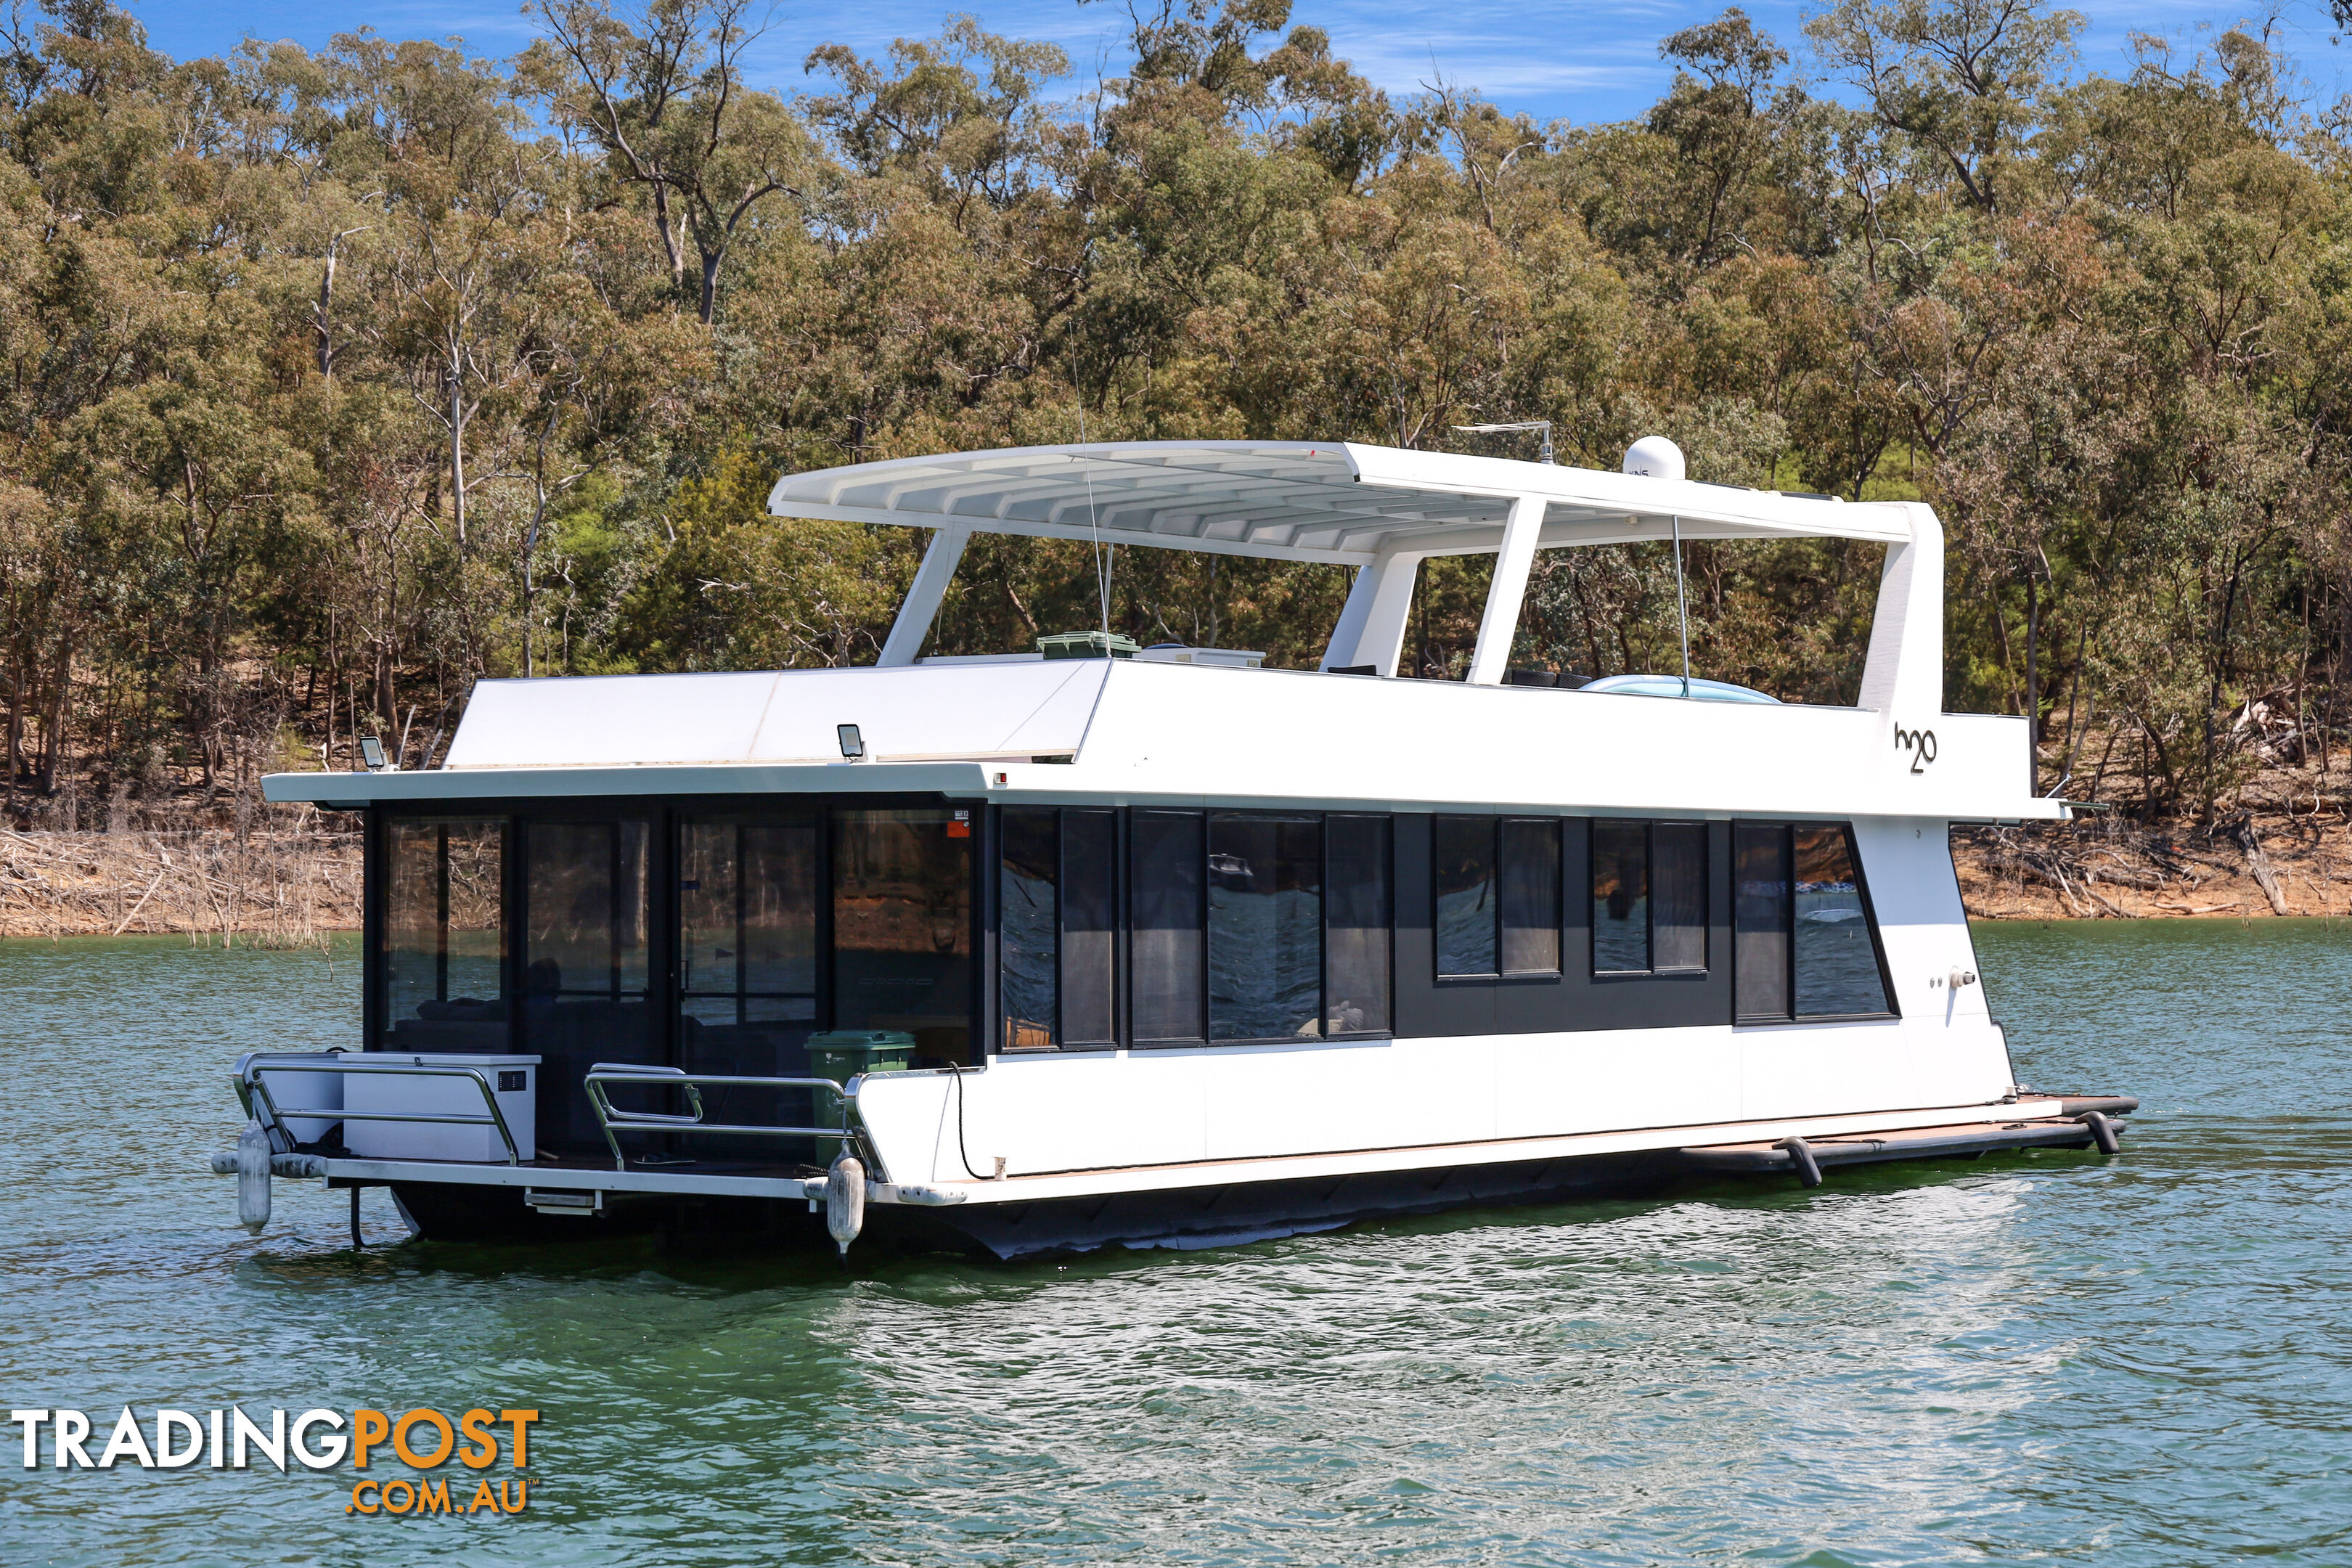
[1146, 730]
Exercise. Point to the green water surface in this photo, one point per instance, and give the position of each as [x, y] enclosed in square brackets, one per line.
[2023, 1360]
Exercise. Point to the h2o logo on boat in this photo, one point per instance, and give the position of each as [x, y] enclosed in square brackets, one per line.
[1920, 743]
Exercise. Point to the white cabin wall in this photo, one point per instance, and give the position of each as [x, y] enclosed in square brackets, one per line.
[1180, 733]
[1915, 893]
[1051, 1113]
[1092, 1110]
[1606, 1081]
[1829, 1069]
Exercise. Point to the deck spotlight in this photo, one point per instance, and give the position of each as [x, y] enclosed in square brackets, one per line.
[853, 744]
[372, 754]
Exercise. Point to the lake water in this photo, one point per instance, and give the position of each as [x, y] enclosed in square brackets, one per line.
[2028, 1359]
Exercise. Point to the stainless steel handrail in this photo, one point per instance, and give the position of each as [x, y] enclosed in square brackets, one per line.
[615, 1121]
[250, 1076]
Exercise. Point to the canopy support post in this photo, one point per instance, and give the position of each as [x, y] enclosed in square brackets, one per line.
[931, 587]
[1353, 617]
[1387, 589]
[1500, 623]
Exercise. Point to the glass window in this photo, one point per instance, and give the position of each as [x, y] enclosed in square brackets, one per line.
[747, 921]
[1056, 929]
[584, 964]
[1355, 983]
[902, 926]
[1165, 907]
[1621, 897]
[1677, 896]
[1836, 961]
[1529, 877]
[1265, 927]
[1028, 906]
[1761, 919]
[1464, 851]
[1089, 927]
[585, 936]
[445, 935]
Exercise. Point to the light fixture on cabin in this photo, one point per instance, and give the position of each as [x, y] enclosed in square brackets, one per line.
[372, 754]
[1544, 456]
[853, 744]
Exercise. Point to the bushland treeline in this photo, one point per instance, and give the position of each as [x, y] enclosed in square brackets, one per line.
[334, 380]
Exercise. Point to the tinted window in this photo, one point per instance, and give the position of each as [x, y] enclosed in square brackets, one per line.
[445, 935]
[902, 926]
[1463, 852]
[747, 922]
[1027, 913]
[1677, 896]
[1528, 878]
[1760, 919]
[1165, 909]
[1621, 897]
[584, 935]
[1265, 927]
[1836, 961]
[1089, 927]
[1356, 931]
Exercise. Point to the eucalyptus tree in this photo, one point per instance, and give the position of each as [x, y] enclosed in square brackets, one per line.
[661, 92]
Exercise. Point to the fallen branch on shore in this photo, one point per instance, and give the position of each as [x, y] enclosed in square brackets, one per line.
[2242, 832]
[141, 904]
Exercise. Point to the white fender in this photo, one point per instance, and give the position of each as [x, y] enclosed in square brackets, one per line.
[845, 1200]
[252, 1177]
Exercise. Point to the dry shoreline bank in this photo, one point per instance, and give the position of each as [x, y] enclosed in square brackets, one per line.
[2261, 864]
[288, 885]
[264, 888]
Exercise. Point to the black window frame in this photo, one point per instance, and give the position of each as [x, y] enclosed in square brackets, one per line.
[1387, 926]
[815, 816]
[375, 889]
[1060, 1044]
[1793, 1018]
[1130, 886]
[1129, 1036]
[1497, 824]
[1649, 827]
[515, 816]
[1322, 922]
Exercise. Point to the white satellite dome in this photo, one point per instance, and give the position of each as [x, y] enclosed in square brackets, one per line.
[1654, 458]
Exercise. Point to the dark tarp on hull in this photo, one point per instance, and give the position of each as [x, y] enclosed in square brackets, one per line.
[1185, 1218]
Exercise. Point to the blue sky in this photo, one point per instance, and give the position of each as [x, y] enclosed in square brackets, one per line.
[1588, 62]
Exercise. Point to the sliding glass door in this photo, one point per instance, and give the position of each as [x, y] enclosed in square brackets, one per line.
[587, 969]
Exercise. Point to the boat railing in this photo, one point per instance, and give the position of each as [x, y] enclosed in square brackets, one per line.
[253, 1084]
[616, 1120]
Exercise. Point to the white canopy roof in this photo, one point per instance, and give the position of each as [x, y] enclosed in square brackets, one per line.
[1292, 501]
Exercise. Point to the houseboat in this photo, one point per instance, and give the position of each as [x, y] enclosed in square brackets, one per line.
[1017, 953]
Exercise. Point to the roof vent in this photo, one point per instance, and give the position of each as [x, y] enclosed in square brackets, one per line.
[1654, 458]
